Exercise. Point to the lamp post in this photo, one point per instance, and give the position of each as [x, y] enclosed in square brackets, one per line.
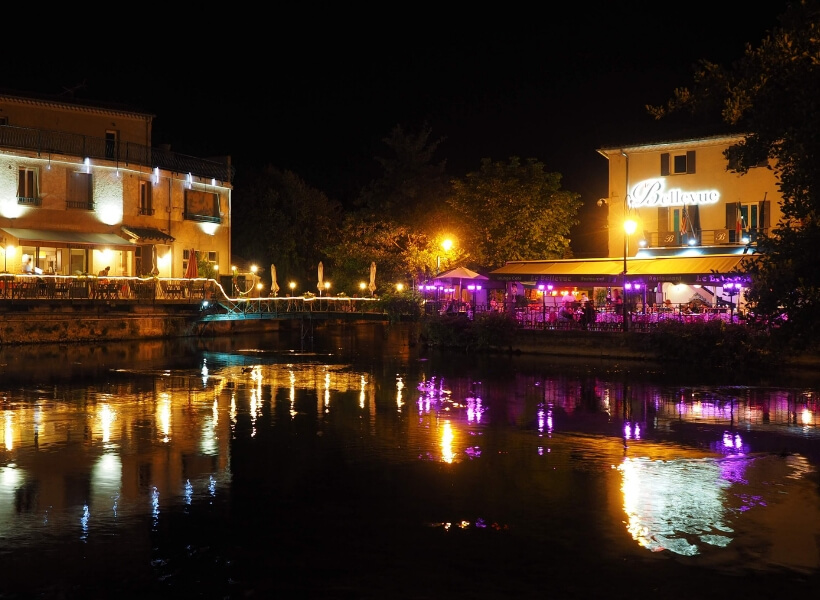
[734, 288]
[629, 229]
[544, 289]
[446, 244]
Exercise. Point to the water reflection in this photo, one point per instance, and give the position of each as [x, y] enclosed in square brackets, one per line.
[343, 453]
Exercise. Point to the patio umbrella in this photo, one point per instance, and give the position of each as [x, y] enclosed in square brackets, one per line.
[192, 272]
[372, 286]
[460, 274]
[321, 276]
[274, 286]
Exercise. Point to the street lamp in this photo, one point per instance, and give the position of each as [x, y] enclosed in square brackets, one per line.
[445, 245]
[629, 229]
[733, 288]
[292, 286]
[544, 289]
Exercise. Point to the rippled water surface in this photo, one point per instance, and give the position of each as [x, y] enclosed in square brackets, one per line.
[353, 464]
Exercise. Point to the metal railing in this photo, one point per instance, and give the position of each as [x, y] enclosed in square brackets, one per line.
[25, 288]
[45, 143]
[32, 288]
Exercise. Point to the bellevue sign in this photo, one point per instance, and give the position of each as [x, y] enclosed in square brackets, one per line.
[650, 193]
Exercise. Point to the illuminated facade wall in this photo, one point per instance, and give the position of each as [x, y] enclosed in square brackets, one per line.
[122, 194]
[682, 195]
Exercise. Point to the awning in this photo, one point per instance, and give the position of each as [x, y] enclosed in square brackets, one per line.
[72, 238]
[702, 270]
[147, 235]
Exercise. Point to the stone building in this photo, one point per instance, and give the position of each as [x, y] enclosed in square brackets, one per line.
[82, 188]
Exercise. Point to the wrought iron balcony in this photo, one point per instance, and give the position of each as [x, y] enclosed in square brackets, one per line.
[45, 143]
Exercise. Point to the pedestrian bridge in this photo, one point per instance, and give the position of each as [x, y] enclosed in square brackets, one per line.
[294, 307]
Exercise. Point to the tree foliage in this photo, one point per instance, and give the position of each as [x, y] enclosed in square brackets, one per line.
[400, 220]
[279, 219]
[514, 211]
[772, 95]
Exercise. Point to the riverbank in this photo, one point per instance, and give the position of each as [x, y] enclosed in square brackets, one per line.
[101, 323]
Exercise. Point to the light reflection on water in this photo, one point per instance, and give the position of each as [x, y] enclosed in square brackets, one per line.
[725, 474]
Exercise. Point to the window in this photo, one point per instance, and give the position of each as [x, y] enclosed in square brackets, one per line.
[4, 120]
[186, 258]
[146, 198]
[27, 186]
[111, 143]
[733, 159]
[79, 194]
[202, 206]
[745, 220]
[680, 164]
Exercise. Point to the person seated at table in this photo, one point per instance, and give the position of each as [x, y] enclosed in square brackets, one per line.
[104, 273]
[566, 313]
[588, 315]
[28, 267]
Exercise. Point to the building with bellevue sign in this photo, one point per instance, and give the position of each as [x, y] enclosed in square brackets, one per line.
[696, 220]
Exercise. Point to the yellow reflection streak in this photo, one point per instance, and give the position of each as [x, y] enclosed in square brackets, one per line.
[447, 438]
[292, 394]
[399, 388]
[362, 389]
[106, 418]
[8, 431]
[164, 417]
[806, 416]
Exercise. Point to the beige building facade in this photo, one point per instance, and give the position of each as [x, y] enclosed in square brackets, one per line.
[685, 199]
[694, 222]
[82, 188]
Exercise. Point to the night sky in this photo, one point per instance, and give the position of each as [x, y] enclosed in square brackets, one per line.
[316, 93]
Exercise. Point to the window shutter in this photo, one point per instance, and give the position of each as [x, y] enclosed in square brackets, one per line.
[664, 164]
[731, 215]
[690, 161]
[765, 211]
[663, 217]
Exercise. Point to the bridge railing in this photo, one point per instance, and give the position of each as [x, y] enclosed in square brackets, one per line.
[298, 304]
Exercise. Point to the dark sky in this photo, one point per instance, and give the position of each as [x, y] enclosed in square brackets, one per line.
[315, 93]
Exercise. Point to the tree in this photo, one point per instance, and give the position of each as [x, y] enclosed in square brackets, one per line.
[772, 94]
[400, 217]
[514, 211]
[279, 219]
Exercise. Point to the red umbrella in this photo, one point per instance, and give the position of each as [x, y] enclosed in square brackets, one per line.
[192, 272]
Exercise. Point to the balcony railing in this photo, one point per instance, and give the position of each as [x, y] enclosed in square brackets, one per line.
[45, 142]
[704, 237]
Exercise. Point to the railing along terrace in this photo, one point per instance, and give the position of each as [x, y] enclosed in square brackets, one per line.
[24, 287]
[611, 318]
[170, 290]
[45, 143]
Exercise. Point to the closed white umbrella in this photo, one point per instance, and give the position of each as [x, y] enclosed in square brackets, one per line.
[372, 286]
[274, 286]
[321, 277]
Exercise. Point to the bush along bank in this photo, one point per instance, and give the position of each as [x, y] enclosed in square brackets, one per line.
[712, 344]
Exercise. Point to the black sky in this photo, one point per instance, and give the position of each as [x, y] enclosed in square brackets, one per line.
[316, 92]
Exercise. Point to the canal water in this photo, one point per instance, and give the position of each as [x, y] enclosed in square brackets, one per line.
[350, 463]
